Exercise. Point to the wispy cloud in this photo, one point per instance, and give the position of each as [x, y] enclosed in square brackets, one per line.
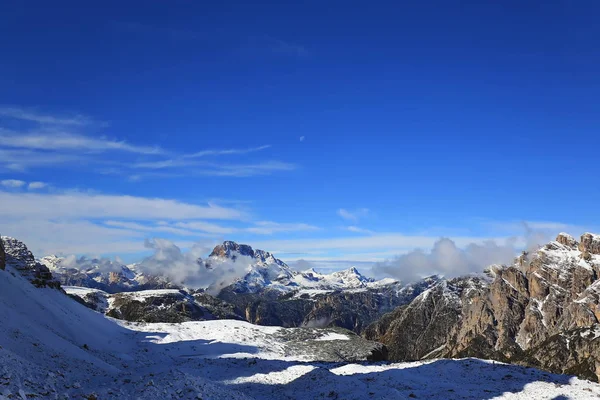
[90, 205]
[204, 226]
[224, 152]
[353, 215]
[12, 183]
[45, 119]
[69, 141]
[270, 227]
[357, 229]
[36, 185]
[246, 170]
[17, 183]
[58, 141]
[150, 227]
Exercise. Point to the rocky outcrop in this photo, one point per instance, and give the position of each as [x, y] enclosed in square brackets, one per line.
[415, 331]
[2, 256]
[167, 305]
[18, 256]
[353, 310]
[331, 345]
[512, 313]
[573, 352]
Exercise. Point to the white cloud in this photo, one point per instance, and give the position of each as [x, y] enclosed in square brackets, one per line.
[223, 152]
[134, 226]
[86, 205]
[357, 229]
[56, 141]
[205, 227]
[36, 185]
[69, 141]
[12, 183]
[353, 215]
[22, 159]
[246, 170]
[33, 116]
[72, 222]
[270, 227]
[447, 259]
[183, 167]
[395, 243]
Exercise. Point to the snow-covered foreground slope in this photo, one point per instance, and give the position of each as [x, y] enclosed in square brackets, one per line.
[51, 346]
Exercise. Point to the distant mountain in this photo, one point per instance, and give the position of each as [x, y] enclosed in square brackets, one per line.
[102, 274]
[265, 272]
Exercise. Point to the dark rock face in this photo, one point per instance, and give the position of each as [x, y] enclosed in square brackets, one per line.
[543, 311]
[411, 332]
[18, 256]
[160, 307]
[156, 305]
[2, 256]
[352, 310]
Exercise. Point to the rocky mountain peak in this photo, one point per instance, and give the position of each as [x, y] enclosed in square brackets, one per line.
[352, 274]
[567, 240]
[590, 243]
[229, 247]
[232, 250]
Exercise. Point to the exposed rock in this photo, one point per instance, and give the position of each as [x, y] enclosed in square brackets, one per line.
[566, 240]
[166, 305]
[512, 315]
[2, 256]
[353, 310]
[18, 256]
[229, 249]
[331, 345]
[590, 243]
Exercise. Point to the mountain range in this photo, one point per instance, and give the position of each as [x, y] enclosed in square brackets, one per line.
[53, 347]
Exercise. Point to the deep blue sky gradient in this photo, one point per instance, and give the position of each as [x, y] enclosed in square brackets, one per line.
[433, 115]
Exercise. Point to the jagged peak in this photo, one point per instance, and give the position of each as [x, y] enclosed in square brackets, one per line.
[227, 247]
[590, 243]
[566, 240]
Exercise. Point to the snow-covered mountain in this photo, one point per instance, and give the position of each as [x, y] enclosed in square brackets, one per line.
[264, 271]
[53, 347]
[257, 270]
[103, 274]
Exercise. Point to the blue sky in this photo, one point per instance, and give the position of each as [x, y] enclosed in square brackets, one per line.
[326, 131]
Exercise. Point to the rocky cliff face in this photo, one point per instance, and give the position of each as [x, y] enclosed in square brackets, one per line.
[510, 313]
[350, 309]
[16, 255]
[2, 256]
